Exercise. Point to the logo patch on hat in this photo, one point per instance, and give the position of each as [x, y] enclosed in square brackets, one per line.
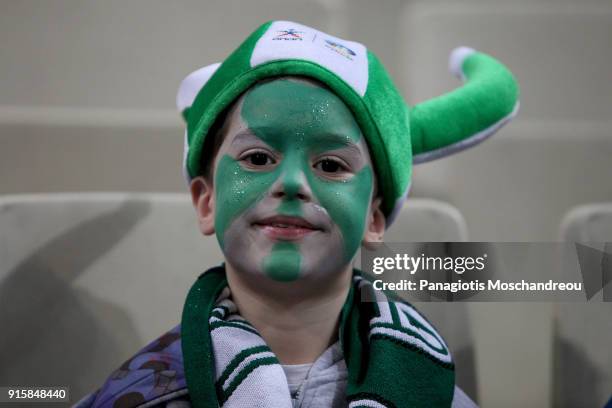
[340, 49]
[290, 34]
[285, 40]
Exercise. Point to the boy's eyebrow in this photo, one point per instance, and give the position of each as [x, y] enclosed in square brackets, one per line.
[336, 141]
[327, 141]
[244, 136]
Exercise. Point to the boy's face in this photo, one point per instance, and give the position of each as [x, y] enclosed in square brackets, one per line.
[293, 184]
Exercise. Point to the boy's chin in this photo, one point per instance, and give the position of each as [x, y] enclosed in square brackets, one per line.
[288, 264]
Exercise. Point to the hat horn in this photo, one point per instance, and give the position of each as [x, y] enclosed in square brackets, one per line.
[468, 115]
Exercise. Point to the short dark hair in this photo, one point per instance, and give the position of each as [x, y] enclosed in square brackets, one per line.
[212, 143]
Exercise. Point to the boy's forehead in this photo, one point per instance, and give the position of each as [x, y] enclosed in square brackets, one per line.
[293, 105]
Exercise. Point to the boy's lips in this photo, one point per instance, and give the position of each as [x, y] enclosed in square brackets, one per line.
[285, 227]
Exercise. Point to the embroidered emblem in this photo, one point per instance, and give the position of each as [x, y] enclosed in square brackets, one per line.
[346, 52]
[289, 34]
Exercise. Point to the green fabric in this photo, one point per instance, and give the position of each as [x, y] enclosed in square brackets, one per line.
[393, 131]
[380, 368]
[195, 338]
[491, 94]
[243, 374]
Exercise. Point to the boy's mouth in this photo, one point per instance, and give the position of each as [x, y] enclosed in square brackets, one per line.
[284, 227]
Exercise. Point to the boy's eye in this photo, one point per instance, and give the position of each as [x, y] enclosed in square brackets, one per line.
[329, 166]
[258, 159]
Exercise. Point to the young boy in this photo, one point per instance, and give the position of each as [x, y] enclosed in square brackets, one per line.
[298, 151]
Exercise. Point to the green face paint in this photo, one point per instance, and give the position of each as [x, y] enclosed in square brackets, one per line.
[237, 189]
[283, 262]
[300, 122]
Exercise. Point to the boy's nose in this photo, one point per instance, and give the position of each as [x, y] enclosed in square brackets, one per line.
[292, 184]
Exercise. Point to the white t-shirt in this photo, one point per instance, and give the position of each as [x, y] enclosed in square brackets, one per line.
[296, 374]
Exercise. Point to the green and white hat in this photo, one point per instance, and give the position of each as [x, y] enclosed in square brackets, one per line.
[397, 135]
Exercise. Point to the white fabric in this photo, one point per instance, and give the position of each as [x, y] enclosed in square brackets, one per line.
[192, 84]
[288, 40]
[265, 386]
[366, 403]
[296, 374]
[456, 59]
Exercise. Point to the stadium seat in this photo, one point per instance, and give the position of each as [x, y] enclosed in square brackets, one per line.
[582, 359]
[88, 279]
[427, 220]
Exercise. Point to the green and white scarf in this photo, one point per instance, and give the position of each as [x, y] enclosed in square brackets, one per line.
[395, 358]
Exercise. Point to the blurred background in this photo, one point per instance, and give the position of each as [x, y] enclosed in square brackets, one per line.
[88, 105]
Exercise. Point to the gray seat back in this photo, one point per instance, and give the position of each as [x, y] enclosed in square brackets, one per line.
[427, 220]
[582, 350]
[86, 280]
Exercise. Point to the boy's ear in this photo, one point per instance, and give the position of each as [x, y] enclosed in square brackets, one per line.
[375, 227]
[203, 198]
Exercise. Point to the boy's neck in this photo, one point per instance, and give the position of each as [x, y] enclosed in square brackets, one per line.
[298, 320]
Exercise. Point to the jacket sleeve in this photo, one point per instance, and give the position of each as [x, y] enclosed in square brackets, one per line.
[155, 373]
